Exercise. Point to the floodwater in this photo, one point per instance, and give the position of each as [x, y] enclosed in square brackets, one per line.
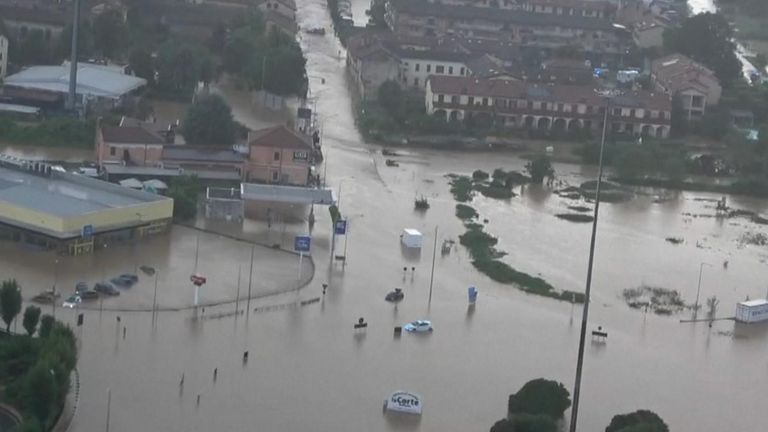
[308, 369]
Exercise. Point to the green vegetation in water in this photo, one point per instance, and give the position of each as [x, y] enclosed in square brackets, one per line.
[480, 244]
[495, 189]
[461, 188]
[184, 190]
[465, 212]
[661, 301]
[480, 175]
[52, 132]
[575, 217]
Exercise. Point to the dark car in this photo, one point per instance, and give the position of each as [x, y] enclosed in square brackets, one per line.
[395, 296]
[88, 295]
[128, 276]
[125, 280]
[106, 288]
[81, 286]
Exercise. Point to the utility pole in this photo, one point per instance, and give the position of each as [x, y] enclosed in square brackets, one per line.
[432, 276]
[72, 104]
[585, 312]
[250, 279]
[109, 404]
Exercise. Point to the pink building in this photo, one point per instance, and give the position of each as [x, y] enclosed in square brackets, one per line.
[279, 155]
[131, 143]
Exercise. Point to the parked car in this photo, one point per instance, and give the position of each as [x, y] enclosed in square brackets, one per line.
[72, 301]
[44, 297]
[125, 280]
[129, 276]
[81, 286]
[88, 295]
[395, 296]
[418, 326]
[106, 288]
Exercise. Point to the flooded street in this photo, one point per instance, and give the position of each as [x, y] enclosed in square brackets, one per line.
[309, 370]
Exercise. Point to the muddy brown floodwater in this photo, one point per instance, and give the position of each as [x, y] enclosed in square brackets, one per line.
[308, 369]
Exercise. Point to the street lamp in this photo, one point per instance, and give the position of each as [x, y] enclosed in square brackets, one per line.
[585, 313]
[698, 287]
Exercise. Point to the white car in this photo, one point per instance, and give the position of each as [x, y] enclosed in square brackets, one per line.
[418, 326]
[72, 302]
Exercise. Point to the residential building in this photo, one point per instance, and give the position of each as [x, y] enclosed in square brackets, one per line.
[539, 30]
[649, 34]
[128, 145]
[369, 65]
[692, 83]
[203, 158]
[279, 155]
[546, 107]
[23, 18]
[586, 8]
[98, 87]
[3, 56]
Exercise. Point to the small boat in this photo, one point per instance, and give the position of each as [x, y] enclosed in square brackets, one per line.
[403, 402]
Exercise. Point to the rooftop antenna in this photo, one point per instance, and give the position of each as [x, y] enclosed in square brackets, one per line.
[72, 104]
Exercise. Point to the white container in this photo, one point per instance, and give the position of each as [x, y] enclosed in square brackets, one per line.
[411, 238]
[752, 311]
[403, 402]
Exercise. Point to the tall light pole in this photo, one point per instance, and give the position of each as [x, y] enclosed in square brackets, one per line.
[585, 313]
[72, 104]
[698, 288]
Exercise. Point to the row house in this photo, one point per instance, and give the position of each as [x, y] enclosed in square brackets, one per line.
[531, 29]
[585, 8]
[546, 107]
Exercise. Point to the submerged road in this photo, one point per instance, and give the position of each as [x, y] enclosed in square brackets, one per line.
[308, 369]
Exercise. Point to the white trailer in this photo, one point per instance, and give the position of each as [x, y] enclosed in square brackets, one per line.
[411, 238]
[752, 311]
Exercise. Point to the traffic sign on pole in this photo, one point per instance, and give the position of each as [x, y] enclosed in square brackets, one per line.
[340, 228]
[302, 243]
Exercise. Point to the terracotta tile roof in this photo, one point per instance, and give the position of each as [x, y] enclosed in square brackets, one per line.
[278, 137]
[129, 135]
[201, 154]
[677, 72]
[582, 94]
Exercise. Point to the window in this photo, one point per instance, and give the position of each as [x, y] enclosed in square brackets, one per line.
[450, 70]
[455, 99]
[485, 101]
[300, 156]
[461, 71]
[274, 176]
[560, 107]
[416, 82]
[112, 151]
[429, 68]
[471, 100]
[440, 98]
[276, 156]
[439, 69]
[417, 67]
[530, 104]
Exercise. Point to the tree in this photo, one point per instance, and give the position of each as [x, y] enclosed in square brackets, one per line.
[46, 326]
[184, 189]
[63, 49]
[30, 425]
[31, 50]
[238, 53]
[207, 70]
[209, 121]
[140, 61]
[632, 162]
[31, 318]
[391, 97]
[218, 39]
[10, 302]
[640, 420]
[540, 397]
[539, 168]
[707, 38]
[177, 69]
[525, 423]
[39, 390]
[109, 33]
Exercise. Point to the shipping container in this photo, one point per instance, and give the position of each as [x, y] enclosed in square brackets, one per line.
[752, 311]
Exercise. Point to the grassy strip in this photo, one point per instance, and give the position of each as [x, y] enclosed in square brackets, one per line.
[53, 132]
[465, 212]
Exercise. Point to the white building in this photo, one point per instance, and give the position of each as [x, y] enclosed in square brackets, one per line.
[3, 56]
[97, 86]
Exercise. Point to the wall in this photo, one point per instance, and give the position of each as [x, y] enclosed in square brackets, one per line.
[262, 166]
[149, 212]
[427, 68]
[30, 217]
[3, 56]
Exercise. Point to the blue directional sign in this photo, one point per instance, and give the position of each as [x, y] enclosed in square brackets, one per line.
[341, 227]
[302, 243]
[87, 231]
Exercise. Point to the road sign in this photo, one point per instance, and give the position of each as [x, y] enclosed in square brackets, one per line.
[198, 280]
[302, 243]
[87, 231]
[341, 227]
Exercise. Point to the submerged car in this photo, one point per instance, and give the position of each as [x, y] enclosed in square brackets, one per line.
[88, 295]
[106, 288]
[81, 286]
[72, 301]
[418, 326]
[395, 296]
[124, 280]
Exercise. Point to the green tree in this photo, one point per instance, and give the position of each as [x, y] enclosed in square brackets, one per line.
[178, 69]
[218, 39]
[30, 425]
[63, 49]
[638, 421]
[539, 168]
[540, 397]
[31, 318]
[140, 61]
[31, 50]
[525, 423]
[39, 391]
[109, 33]
[184, 190]
[207, 69]
[707, 38]
[391, 97]
[632, 162]
[209, 121]
[238, 53]
[46, 326]
[10, 302]
[674, 167]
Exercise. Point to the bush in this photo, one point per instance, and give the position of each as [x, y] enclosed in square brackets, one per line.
[461, 188]
[540, 397]
[465, 212]
[184, 190]
[638, 421]
[55, 131]
[480, 175]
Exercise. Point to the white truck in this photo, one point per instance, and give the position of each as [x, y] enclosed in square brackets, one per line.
[752, 311]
